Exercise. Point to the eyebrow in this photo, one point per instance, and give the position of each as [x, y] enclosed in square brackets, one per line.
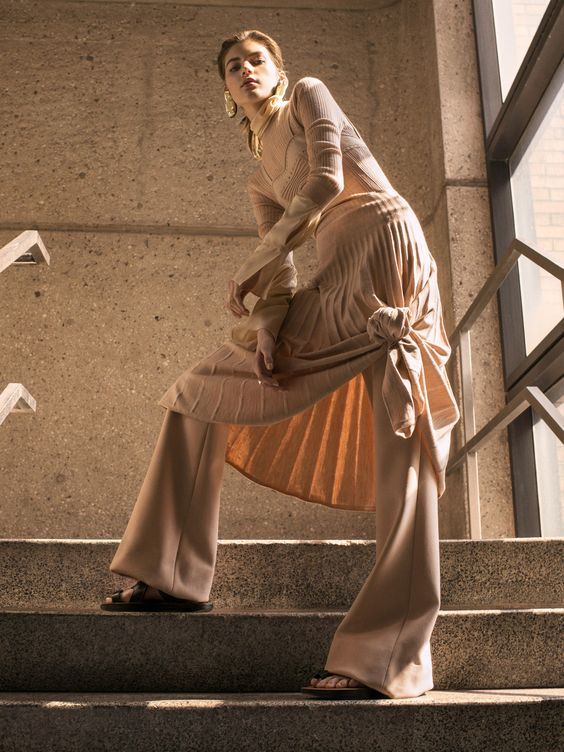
[256, 52]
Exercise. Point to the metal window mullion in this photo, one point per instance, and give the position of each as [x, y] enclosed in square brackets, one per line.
[474, 517]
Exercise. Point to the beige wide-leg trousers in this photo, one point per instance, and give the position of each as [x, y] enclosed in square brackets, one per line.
[383, 641]
[170, 541]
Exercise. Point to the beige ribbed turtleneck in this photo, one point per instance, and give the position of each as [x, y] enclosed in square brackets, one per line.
[260, 119]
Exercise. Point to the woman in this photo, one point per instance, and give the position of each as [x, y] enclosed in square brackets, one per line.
[335, 392]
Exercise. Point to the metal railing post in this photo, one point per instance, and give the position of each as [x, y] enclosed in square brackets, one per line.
[469, 431]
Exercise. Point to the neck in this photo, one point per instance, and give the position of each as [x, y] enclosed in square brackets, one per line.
[252, 108]
[260, 120]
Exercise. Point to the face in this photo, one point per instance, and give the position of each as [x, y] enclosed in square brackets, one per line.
[250, 60]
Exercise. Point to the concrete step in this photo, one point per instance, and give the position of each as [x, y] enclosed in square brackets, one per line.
[498, 720]
[500, 573]
[92, 650]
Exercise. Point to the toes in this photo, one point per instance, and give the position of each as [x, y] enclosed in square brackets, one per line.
[335, 680]
[125, 594]
[318, 682]
[346, 681]
[120, 594]
[328, 681]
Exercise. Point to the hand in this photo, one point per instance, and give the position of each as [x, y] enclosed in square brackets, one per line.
[264, 358]
[234, 299]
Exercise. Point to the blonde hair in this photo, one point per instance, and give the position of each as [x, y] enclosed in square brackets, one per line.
[275, 53]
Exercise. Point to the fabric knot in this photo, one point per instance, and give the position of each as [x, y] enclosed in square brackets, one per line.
[389, 323]
[403, 386]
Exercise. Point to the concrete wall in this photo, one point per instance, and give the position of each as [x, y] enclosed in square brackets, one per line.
[116, 146]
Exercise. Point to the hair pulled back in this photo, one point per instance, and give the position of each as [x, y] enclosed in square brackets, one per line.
[262, 38]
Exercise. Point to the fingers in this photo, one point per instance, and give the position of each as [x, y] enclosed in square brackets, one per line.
[268, 360]
[263, 373]
[264, 358]
[271, 382]
[234, 300]
[238, 308]
[233, 304]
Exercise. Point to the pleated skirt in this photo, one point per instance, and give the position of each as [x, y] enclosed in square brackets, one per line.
[315, 438]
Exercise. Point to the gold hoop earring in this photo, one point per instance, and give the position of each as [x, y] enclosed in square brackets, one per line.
[281, 88]
[230, 105]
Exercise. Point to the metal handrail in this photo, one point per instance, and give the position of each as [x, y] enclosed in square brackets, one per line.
[529, 396]
[26, 248]
[15, 399]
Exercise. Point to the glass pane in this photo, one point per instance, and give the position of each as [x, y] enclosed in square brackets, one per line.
[515, 24]
[537, 186]
[549, 458]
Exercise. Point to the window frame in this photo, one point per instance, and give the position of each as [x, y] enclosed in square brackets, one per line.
[504, 124]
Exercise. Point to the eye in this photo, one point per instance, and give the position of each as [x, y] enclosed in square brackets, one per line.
[255, 62]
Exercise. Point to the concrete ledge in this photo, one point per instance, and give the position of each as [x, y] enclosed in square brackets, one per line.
[502, 573]
[347, 5]
[505, 720]
[92, 650]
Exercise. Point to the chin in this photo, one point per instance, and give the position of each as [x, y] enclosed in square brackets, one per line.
[253, 94]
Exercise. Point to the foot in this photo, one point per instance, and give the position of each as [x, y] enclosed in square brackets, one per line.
[336, 680]
[151, 594]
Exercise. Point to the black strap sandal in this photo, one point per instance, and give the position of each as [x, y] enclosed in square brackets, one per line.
[137, 601]
[342, 693]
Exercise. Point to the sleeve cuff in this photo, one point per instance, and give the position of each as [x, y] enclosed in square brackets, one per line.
[298, 222]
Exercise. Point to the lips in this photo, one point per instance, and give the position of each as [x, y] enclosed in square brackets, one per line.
[248, 82]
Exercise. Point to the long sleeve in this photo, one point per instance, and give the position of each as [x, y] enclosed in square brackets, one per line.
[269, 312]
[322, 120]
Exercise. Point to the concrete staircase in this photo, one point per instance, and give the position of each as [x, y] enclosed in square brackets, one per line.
[75, 677]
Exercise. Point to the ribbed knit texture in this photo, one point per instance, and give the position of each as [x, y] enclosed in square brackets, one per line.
[374, 295]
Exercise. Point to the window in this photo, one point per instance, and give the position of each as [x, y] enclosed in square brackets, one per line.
[516, 22]
[537, 187]
[522, 80]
